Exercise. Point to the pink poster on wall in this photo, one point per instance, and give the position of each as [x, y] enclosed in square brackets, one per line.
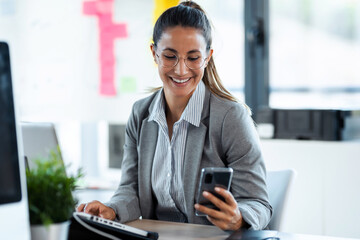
[108, 32]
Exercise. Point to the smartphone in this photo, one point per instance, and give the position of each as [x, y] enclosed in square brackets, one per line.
[210, 178]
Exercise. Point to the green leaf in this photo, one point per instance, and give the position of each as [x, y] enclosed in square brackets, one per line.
[50, 190]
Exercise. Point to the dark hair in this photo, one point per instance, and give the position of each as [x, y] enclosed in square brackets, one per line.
[190, 14]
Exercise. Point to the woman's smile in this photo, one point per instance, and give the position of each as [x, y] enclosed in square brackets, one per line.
[180, 80]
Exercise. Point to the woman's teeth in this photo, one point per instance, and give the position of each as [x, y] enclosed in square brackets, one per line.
[180, 81]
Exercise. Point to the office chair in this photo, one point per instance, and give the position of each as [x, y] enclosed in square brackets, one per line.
[278, 184]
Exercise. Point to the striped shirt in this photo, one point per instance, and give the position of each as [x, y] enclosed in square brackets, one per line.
[167, 171]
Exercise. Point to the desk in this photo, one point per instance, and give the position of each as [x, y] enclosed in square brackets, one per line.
[173, 230]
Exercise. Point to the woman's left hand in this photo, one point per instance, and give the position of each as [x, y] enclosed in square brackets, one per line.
[228, 217]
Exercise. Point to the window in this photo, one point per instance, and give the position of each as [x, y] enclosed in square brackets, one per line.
[228, 41]
[314, 54]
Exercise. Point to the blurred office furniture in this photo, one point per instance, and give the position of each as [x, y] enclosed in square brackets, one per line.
[278, 184]
[309, 124]
[326, 186]
[39, 139]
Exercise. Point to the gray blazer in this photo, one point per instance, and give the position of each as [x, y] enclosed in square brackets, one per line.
[226, 137]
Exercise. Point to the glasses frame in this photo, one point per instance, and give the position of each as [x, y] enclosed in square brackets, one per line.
[178, 60]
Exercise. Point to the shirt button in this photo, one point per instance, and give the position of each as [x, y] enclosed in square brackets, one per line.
[168, 174]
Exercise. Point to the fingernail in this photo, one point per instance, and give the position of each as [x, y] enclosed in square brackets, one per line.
[196, 206]
[217, 189]
[205, 194]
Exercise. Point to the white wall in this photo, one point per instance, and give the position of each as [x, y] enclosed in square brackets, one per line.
[54, 51]
[55, 56]
[325, 195]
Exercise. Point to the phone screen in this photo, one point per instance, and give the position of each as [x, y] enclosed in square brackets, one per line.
[211, 178]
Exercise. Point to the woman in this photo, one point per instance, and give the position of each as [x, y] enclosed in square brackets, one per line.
[192, 122]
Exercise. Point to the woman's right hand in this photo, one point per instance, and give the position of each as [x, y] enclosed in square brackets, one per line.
[98, 209]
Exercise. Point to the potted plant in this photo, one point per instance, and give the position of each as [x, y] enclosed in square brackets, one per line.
[51, 203]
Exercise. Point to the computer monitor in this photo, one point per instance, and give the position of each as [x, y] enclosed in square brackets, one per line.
[13, 196]
[39, 139]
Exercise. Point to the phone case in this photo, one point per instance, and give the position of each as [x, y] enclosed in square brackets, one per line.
[210, 178]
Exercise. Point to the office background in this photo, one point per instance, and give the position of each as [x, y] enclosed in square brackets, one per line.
[309, 58]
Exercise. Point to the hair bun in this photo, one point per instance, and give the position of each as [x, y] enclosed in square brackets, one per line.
[192, 5]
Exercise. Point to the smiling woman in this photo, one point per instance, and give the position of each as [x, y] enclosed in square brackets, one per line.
[180, 80]
[191, 123]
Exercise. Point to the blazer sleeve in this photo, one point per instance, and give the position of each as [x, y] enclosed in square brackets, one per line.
[241, 147]
[125, 201]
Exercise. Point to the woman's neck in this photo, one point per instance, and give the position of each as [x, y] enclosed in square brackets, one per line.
[174, 107]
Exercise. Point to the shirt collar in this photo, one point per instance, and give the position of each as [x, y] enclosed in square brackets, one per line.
[158, 111]
[192, 112]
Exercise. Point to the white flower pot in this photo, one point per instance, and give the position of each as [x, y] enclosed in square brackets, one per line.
[56, 231]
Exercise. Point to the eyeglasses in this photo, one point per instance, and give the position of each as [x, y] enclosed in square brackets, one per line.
[193, 61]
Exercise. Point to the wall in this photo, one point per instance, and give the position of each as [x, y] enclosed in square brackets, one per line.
[55, 51]
[325, 195]
[55, 59]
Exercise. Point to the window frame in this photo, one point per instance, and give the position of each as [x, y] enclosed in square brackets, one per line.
[256, 54]
[257, 87]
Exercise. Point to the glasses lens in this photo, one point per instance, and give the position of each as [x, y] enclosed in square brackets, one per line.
[170, 59]
[194, 62]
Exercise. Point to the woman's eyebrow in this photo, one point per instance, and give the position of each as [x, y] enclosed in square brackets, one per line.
[194, 51]
[173, 50]
[170, 49]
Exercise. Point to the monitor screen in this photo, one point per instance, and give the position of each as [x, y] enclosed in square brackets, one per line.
[10, 187]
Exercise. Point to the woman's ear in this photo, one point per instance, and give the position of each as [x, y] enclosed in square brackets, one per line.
[209, 57]
[152, 47]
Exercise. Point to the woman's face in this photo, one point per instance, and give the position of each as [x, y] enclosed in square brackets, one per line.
[183, 43]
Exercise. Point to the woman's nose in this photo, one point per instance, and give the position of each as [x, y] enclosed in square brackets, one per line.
[181, 68]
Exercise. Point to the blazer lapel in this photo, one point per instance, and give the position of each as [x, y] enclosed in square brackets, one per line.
[148, 140]
[193, 154]
[146, 151]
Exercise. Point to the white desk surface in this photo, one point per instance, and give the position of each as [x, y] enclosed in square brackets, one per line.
[173, 230]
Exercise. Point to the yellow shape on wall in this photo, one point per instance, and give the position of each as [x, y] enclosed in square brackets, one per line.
[161, 5]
